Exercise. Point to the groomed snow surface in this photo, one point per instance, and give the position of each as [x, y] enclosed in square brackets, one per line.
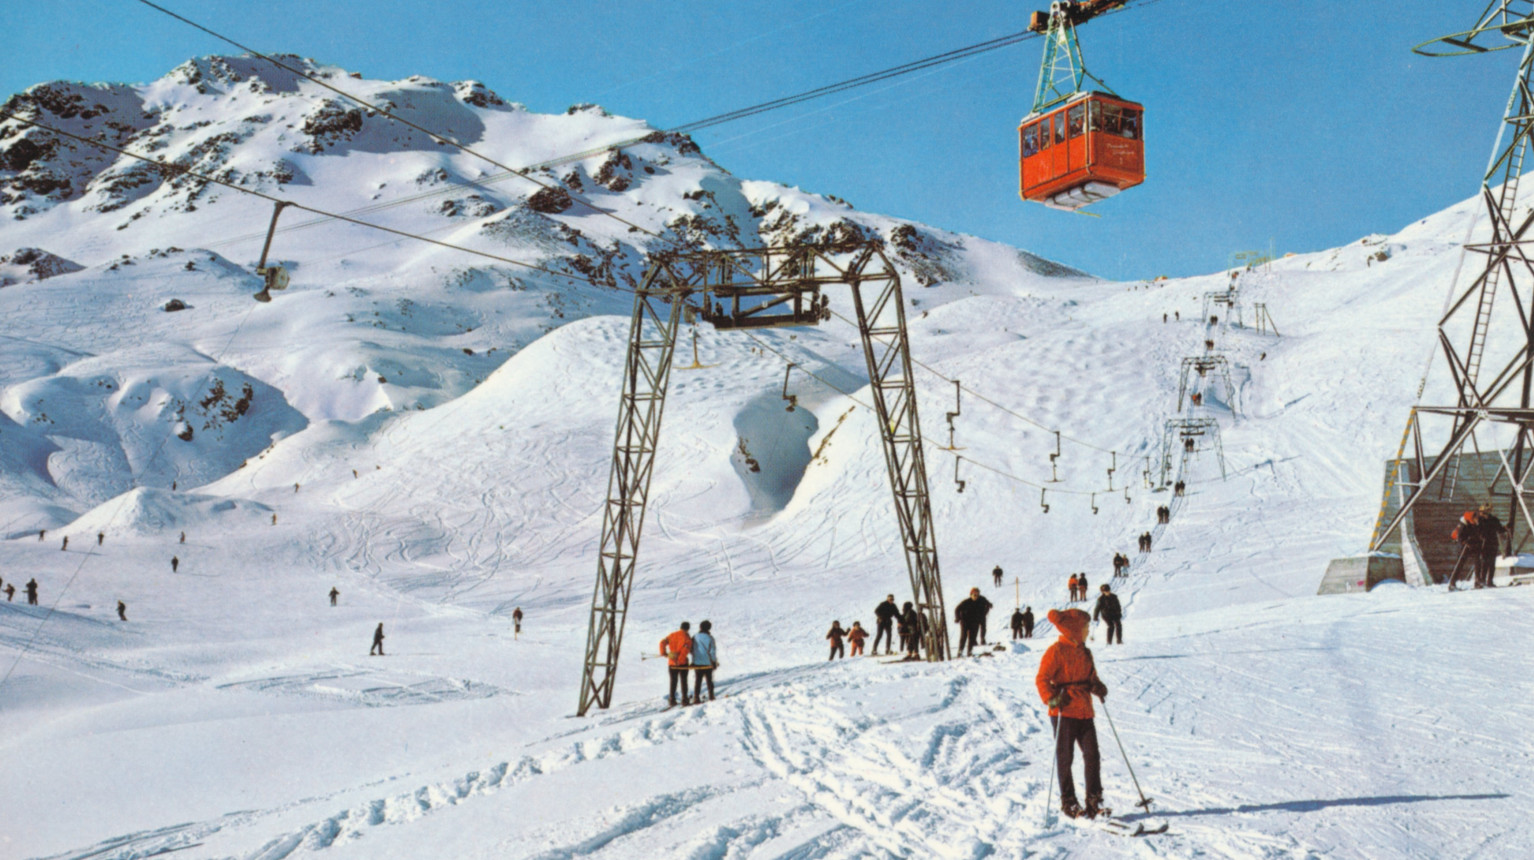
[385, 450]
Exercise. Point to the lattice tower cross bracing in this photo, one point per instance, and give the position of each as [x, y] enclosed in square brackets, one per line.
[757, 288]
[1489, 324]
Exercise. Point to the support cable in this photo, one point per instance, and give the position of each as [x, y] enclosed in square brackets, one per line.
[929, 445]
[982, 398]
[174, 170]
[447, 141]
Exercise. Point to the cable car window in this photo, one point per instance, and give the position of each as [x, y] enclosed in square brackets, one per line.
[1043, 127]
[1060, 127]
[1030, 140]
[1077, 115]
[1112, 118]
[1095, 117]
[1131, 127]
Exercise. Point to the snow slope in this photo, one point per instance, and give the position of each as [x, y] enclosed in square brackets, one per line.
[430, 434]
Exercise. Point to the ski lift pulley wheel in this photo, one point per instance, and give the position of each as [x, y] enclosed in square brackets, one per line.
[276, 278]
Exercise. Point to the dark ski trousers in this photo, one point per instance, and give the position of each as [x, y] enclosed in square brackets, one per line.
[885, 631]
[968, 637]
[678, 678]
[1017, 633]
[1115, 630]
[699, 676]
[837, 650]
[1485, 567]
[1071, 732]
[1028, 630]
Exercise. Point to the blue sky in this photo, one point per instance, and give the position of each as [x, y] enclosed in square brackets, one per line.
[1304, 123]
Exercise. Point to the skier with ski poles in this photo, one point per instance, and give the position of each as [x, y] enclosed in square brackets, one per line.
[1066, 681]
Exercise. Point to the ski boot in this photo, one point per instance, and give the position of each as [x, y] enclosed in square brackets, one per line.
[1070, 808]
[1094, 806]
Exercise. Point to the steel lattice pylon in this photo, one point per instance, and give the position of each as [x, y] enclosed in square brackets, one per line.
[1467, 331]
[756, 288]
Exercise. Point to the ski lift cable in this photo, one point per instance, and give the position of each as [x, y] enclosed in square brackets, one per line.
[927, 442]
[944, 58]
[982, 398]
[174, 170]
[382, 111]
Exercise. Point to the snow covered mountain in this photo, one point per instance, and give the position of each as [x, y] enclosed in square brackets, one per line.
[429, 432]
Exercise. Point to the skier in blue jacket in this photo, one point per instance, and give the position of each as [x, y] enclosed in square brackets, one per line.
[705, 656]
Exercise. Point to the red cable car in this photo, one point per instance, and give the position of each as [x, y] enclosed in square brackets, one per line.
[1087, 149]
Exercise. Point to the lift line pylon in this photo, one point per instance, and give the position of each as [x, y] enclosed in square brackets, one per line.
[757, 288]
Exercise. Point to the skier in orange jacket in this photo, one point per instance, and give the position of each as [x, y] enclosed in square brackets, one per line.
[1067, 680]
[677, 649]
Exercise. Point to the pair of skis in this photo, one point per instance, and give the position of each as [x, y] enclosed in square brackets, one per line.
[1119, 827]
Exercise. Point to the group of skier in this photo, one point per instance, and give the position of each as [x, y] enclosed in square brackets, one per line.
[1480, 535]
[31, 589]
[685, 653]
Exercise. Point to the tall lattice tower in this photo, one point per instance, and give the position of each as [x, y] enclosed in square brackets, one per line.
[1486, 333]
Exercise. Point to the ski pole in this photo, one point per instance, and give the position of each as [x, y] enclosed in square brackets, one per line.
[1145, 802]
[1049, 793]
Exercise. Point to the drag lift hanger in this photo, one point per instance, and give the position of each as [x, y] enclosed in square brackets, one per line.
[1077, 145]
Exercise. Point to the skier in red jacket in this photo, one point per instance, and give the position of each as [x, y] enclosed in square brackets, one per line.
[1067, 680]
[677, 649]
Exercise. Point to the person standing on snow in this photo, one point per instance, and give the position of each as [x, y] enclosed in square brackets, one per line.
[378, 639]
[910, 631]
[1468, 534]
[884, 623]
[857, 636]
[516, 622]
[705, 659]
[1111, 613]
[1017, 624]
[1071, 584]
[1081, 585]
[1491, 530]
[334, 593]
[677, 649]
[969, 614]
[1028, 622]
[1066, 681]
[32, 592]
[122, 610]
[996, 576]
[836, 634]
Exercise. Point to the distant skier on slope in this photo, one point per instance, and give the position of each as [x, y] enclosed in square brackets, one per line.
[857, 636]
[1071, 584]
[705, 659]
[996, 576]
[516, 622]
[677, 649]
[1017, 624]
[1468, 534]
[1491, 530]
[122, 610]
[10, 592]
[32, 592]
[334, 593]
[1067, 680]
[1110, 612]
[835, 635]
[910, 631]
[378, 638]
[1028, 622]
[968, 614]
[884, 622]
[1081, 585]
[174, 563]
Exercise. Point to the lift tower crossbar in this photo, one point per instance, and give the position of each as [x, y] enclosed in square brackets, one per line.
[757, 288]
